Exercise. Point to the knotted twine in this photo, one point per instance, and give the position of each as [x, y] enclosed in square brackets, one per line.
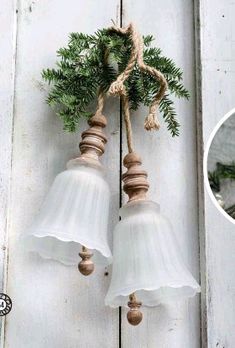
[118, 87]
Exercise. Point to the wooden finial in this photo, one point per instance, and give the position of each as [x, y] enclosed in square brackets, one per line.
[135, 178]
[93, 139]
[134, 315]
[92, 147]
[86, 266]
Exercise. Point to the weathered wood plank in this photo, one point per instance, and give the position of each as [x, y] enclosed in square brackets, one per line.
[54, 306]
[7, 67]
[200, 177]
[218, 95]
[172, 168]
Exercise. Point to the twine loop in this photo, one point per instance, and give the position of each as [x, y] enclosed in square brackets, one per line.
[136, 57]
[117, 88]
[151, 120]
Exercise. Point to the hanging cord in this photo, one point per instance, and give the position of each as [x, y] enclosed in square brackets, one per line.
[100, 102]
[127, 120]
[118, 87]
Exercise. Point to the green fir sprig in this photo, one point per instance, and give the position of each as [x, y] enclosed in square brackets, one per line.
[222, 171]
[82, 70]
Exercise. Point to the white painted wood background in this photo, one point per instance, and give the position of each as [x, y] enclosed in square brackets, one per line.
[218, 97]
[53, 306]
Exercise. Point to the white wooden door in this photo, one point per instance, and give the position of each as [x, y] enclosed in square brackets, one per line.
[53, 306]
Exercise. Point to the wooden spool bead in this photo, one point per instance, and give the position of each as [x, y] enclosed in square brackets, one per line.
[134, 315]
[135, 178]
[86, 265]
[93, 139]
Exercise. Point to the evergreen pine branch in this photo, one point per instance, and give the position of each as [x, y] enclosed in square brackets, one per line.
[81, 71]
[214, 181]
[222, 172]
[169, 115]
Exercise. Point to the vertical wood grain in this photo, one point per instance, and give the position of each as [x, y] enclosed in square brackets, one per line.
[7, 67]
[172, 167]
[218, 97]
[53, 305]
[200, 178]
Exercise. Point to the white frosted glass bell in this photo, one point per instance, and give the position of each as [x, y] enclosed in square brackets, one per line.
[74, 213]
[146, 260]
[147, 266]
[74, 216]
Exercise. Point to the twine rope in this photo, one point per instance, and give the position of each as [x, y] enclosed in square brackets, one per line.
[100, 102]
[151, 121]
[127, 120]
[118, 87]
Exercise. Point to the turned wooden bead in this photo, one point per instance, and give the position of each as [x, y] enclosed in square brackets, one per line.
[86, 265]
[132, 159]
[134, 315]
[93, 141]
[135, 178]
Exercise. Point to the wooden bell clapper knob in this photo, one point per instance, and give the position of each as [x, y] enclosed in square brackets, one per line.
[86, 265]
[134, 315]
